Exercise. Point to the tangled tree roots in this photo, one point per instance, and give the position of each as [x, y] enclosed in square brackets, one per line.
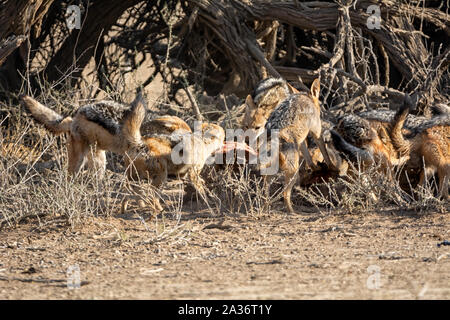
[227, 46]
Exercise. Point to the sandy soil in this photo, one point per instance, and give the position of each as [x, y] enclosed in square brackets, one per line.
[381, 255]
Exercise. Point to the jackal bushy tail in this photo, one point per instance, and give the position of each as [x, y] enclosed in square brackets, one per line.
[403, 145]
[51, 120]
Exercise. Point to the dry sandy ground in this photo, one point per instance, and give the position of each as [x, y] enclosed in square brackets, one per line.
[381, 255]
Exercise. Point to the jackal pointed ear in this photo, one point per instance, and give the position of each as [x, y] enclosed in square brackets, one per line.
[315, 88]
[249, 102]
[292, 89]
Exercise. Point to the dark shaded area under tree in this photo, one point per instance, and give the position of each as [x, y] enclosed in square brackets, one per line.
[227, 46]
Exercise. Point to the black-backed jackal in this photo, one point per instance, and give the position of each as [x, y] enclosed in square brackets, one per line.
[176, 153]
[427, 146]
[179, 153]
[268, 94]
[366, 141]
[296, 117]
[105, 126]
[170, 138]
[173, 149]
[375, 137]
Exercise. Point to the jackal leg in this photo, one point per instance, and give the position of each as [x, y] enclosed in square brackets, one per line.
[316, 132]
[97, 161]
[324, 152]
[156, 172]
[77, 151]
[290, 177]
[289, 164]
[443, 174]
[306, 155]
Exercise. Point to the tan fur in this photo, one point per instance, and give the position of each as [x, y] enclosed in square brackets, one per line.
[85, 133]
[46, 116]
[297, 132]
[375, 145]
[256, 115]
[88, 139]
[429, 148]
[290, 158]
[295, 118]
[387, 144]
[158, 162]
[165, 125]
[385, 155]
